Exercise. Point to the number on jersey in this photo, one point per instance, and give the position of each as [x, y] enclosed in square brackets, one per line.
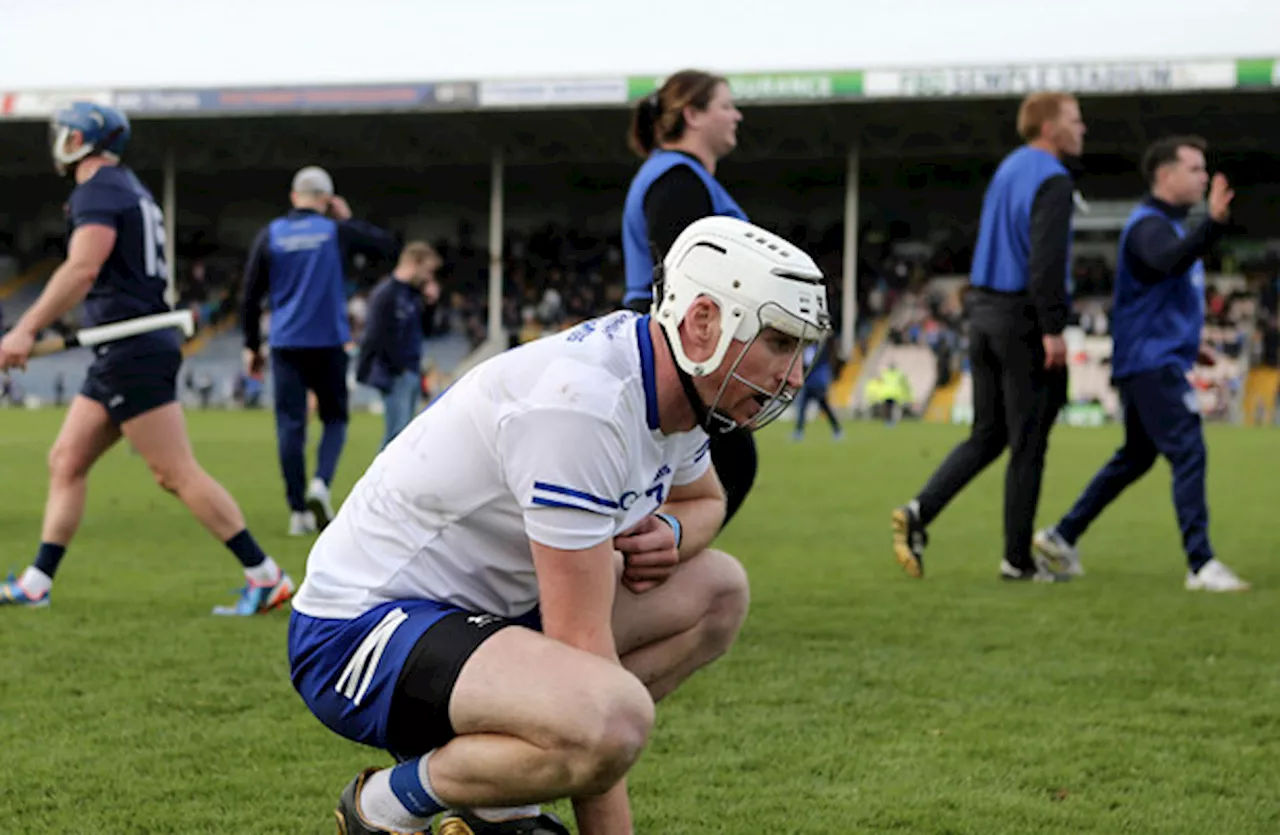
[153, 240]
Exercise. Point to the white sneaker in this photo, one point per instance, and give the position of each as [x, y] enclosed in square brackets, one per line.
[319, 504]
[301, 523]
[1214, 576]
[1055, 554]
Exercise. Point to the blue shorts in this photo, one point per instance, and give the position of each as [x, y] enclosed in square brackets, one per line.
[380, 679]
[131, 378]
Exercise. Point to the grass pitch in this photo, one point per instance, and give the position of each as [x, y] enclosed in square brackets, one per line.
[857, 700]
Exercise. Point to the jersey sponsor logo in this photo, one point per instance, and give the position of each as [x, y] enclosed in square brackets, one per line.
[301, 242]
[657, 491]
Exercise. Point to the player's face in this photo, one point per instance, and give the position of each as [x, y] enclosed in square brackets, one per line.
[770, 366]
[63, 143]
[1189, 177]
[1068, 129]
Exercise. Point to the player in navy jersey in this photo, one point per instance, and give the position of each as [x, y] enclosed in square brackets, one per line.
[116, 266]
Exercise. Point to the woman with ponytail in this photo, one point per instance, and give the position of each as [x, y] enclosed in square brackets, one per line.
[682, 131]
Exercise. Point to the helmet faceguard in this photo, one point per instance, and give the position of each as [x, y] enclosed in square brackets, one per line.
[764, 288]
[103, 131]
[803, 338]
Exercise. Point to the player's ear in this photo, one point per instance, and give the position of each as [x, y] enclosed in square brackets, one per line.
[702, 324]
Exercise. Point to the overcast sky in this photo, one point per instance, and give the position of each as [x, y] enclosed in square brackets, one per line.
[136, 43]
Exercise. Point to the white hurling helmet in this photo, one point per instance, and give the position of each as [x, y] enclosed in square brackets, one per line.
[759, 281]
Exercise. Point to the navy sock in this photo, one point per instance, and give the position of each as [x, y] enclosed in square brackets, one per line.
[246, 549]
[48, 557]
[412, 791]
[1197, 563]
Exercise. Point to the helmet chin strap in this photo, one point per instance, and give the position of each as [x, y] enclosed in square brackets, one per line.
[701, 412]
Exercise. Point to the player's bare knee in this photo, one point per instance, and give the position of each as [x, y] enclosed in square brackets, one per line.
[174, 477]
[610, 736]
[66, 464]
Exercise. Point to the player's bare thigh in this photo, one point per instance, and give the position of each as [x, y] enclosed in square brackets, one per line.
[160, 437]
[86, 434]
[524, 684]
[709, 584]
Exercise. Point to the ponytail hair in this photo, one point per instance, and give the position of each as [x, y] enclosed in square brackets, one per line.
[659, 116]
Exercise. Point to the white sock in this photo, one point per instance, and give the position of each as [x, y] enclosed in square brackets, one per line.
[381, 808]
[265, 573]
[914, 507]
[506, 813]
[35, 582]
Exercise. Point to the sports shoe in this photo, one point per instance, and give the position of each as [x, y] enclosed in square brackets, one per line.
[461, 822]
[909, 540]
[1039, 574]
[302, 523]
[1055, 555]
[13, 594]
[1214, 576]
[319, 503]
[350, 821]
[255, 599]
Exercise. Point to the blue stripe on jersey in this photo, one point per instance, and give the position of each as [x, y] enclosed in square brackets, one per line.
[577, 494]
[538, 500]
[645, 343]
[702, 450]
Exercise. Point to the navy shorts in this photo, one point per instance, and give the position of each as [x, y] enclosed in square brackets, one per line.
[129, 381]
[384, 679]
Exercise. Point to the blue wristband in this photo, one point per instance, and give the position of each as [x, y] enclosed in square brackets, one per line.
[673, 522]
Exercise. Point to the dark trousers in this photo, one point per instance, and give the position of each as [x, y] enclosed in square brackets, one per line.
[733, 455]
[295, 371]
[1161, 417]
[815, 395]
[1015, 403]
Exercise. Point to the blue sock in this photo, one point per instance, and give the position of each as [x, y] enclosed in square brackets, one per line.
[411, 790]
[245, 547]
[332, 440]
[1197, 563]
[48, 557]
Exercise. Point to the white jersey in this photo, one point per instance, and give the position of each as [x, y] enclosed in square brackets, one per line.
[555, 441]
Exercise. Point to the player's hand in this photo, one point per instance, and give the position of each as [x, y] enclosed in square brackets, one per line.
[1055, 352]
[1207, 356]
[338, 208]
[1220, 197]
[649, 554]
[15, 349]
[254, 363]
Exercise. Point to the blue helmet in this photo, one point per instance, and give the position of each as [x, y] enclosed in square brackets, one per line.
[104, 130]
